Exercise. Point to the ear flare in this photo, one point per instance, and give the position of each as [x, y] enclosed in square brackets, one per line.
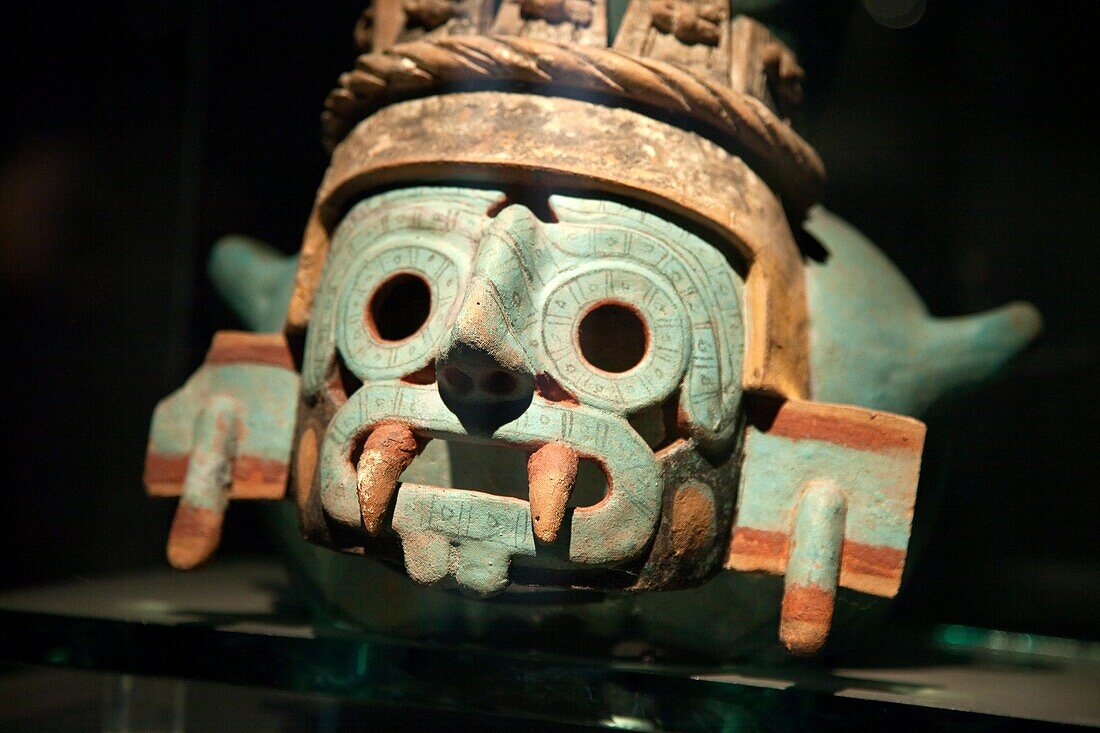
[551, 474]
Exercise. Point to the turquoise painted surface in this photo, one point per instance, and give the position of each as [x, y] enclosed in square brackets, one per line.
[873, 342]
[880, 492]
[266, 399]
[214, 442]
[547, 275]
[520, 284]
[508, 292]
[255, 280]
[819, 523]
[447, 533]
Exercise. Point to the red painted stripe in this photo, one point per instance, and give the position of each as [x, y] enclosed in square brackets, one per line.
[161, 468]
[239, 347]
[808, 604]
[254, 469]
[249, 472]
[852, 427]
[759, 542]
[878, 560]
[856, 557]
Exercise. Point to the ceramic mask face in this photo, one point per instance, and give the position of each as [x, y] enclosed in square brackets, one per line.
[606, 333]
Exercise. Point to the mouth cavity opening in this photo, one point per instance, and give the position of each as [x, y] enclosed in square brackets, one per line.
[551, 390]
[495, 469]
[424, 375]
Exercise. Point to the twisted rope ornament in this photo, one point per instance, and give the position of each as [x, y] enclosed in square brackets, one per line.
[781, 157]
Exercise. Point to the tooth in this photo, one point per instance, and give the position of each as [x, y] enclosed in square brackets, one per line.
[551, 474]
[387, 453]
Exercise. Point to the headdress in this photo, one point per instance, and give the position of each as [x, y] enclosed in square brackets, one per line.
[686, 110]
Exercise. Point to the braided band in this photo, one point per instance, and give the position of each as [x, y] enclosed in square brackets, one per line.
[782, 158]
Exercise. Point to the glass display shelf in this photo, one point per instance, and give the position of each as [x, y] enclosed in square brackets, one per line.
[239, 628]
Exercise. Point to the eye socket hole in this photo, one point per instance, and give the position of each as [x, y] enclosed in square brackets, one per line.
[399, 307]
[613, 337]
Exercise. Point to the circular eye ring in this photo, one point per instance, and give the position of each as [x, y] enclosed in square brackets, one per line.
[570, 296]
[368, 357]
[612, 337]
[399, 308]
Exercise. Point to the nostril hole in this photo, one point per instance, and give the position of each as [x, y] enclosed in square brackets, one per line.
[458, 380]
[499, 383]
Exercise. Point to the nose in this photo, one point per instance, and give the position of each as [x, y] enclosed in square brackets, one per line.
[483, 377]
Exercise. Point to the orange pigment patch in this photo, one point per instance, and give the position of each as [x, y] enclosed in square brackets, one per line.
[806, 618]
[692, 521]
[194, 537]
[305, 466]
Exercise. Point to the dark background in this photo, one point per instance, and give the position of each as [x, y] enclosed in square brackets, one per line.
[136, 133]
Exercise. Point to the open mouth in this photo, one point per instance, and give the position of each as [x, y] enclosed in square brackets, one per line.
[553, 478]
[472, 515]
